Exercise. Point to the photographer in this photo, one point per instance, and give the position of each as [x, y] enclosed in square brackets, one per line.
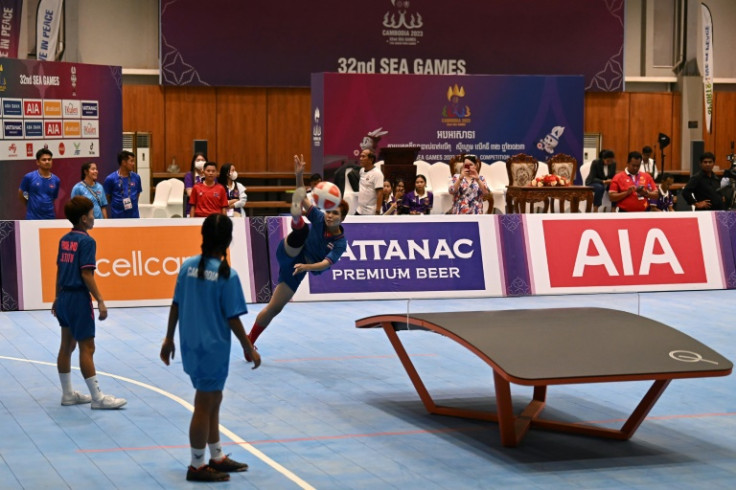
[632, 189]
[468, 188]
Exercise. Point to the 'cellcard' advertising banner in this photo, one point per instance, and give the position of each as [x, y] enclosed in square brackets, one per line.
[419, 37]
[491, 116]
[72, 109]
[10, 31]
[412, 257]
[138, 260]
[624, 252]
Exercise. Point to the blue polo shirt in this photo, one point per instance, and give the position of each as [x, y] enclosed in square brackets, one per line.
[76, 252]
[95, 193]
[41, 193]
[119, 188]
[205, 306]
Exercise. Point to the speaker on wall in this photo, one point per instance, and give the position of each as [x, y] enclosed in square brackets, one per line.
[697, 148]
[200, 146]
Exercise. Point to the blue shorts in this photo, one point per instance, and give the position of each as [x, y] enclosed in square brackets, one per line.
[74, 310]
[204, 384]
[286, 267]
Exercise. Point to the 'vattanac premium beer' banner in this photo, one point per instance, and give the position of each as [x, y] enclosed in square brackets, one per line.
[227, 43]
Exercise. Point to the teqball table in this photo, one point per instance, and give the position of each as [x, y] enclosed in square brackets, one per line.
[558, 346]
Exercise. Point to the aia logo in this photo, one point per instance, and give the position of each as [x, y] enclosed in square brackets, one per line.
[52, 128]
[620, 252]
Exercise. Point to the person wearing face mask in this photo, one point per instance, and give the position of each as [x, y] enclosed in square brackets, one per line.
[194, 176]
[208, 197]
[236, 197]
[91, 189]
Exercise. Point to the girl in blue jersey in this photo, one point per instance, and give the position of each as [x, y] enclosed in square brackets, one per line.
[307, 249]
[208, 302]
[75, 281]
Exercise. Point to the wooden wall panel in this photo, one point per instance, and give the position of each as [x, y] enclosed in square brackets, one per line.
[289, 127]
[649, 115]
[143, 110]
[724, 125]
[674, 157]
[241, 128]
[608, 114]
[190, 114]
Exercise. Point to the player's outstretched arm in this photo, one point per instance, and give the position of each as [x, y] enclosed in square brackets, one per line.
[317, 266]
[299, 166]
[248, 350]
[168, 348]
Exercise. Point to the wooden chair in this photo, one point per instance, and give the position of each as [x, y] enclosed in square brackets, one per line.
[521, 170]
[565, 166]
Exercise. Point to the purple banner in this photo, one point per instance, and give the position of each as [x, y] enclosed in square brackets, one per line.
[282, 43]
[10, 31]
[74, 110]
[406, 257]
[492, 116]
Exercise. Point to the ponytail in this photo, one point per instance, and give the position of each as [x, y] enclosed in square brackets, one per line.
[217, 234]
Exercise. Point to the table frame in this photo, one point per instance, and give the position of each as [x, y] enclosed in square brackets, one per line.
[514, 427]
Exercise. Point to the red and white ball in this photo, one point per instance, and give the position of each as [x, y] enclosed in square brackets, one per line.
[326, 196]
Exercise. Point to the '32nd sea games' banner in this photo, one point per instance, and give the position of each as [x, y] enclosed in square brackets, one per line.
[73, 109]
[239, 43]
[491, 116]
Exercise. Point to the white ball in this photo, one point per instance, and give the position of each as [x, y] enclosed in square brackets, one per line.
[326, 196]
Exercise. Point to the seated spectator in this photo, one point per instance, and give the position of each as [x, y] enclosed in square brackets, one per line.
[702, 189]
[632, 189]
[388, 196]
[420, 200]
[398, 205]
[599, 178]
[665, 200]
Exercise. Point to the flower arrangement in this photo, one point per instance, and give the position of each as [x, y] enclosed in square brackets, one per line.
[549, 181]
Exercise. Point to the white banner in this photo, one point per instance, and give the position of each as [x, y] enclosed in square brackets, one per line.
[707, 63]
[47, 28]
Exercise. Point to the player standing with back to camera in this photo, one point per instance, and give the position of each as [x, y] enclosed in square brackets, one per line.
[208, 302]
[75, 280]
[307, 248]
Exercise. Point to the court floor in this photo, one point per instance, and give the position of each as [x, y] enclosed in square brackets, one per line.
[331, 407]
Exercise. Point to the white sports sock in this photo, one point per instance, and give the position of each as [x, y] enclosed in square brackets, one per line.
[197, 457]
[216, 450]
[66, 384]
[94, 388]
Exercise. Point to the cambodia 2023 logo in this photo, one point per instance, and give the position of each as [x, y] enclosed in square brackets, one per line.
[401, 26]
[456, 113]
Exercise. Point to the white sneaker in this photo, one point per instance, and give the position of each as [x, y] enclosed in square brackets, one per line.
[76, 398]
[296, 202]
[108, 402]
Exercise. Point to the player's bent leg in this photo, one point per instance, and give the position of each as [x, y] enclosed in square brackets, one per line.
[100, 401]
[281, 296]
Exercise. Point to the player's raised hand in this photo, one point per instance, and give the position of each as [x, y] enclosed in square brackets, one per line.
[299, 164]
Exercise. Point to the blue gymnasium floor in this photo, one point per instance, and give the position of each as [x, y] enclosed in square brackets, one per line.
[331, 407]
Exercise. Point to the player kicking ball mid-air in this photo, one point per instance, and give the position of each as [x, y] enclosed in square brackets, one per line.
[208, 302]
[310, 247]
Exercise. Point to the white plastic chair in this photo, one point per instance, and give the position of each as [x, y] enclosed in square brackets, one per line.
[439, 174]
[350, 196]
[175, 202]
[584, 171]
[497, 178]
[160, 201]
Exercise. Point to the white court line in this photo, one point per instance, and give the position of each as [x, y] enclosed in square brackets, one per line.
[224, 430]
